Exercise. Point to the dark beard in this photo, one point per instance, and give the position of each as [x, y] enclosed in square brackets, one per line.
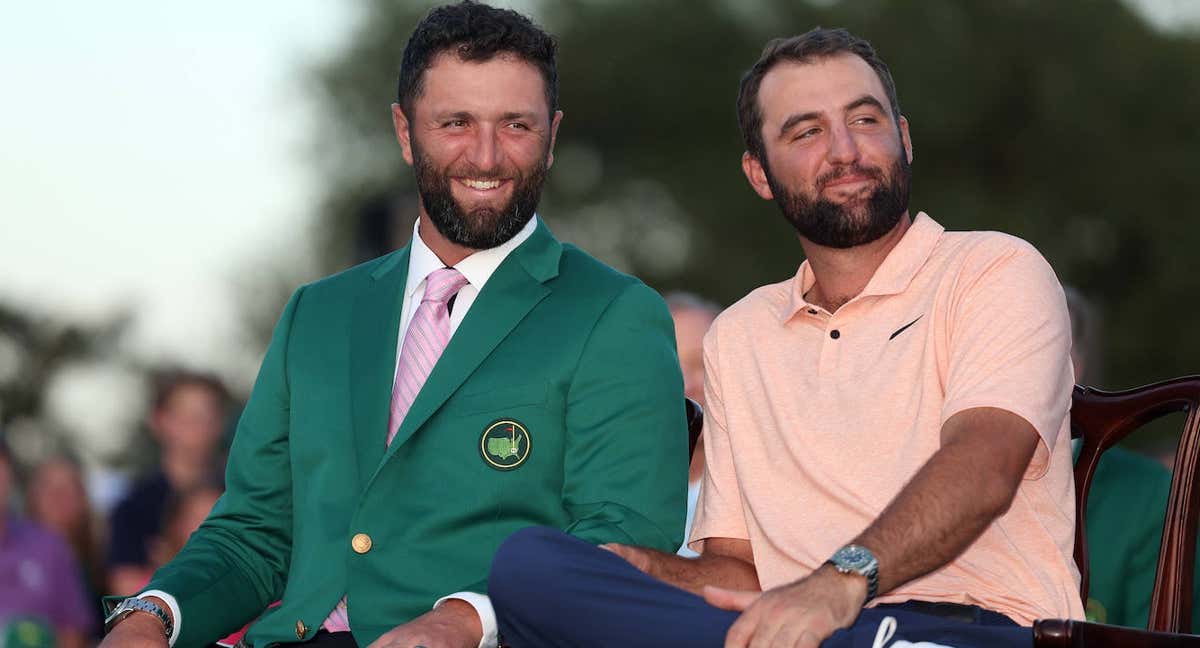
[483, 228]
[832, 225]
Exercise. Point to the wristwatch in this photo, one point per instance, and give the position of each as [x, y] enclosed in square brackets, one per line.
[856, 559]
[134, 604]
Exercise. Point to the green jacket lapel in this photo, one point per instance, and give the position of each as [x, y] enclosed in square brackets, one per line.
[374, 330]
[515, 288]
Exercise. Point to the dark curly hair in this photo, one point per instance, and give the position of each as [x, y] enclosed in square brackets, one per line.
[818, 43]
[475, 32]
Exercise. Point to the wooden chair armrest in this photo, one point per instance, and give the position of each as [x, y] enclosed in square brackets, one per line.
[1063, 633]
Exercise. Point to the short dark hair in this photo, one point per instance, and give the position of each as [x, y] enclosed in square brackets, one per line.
[818, 43]
[475, 32]
[168, 382]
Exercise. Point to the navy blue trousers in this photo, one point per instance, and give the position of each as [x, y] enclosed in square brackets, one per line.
[551, 590]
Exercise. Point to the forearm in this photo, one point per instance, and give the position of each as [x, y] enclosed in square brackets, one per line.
[929, 524]
[692, 574]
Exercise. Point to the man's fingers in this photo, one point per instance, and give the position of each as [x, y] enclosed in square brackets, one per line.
[740, 632]
[728, 599]
[632, 555]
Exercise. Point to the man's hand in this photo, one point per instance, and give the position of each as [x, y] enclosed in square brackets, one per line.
[639, 557]
[453, 624]
[138, 630]
[802, 614]
[726, 562]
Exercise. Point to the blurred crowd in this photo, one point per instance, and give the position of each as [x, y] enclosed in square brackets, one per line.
[59, 554]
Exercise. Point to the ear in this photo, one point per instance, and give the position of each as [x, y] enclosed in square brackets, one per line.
[757, 176]
[400, 121]
[905, 139]
[554, 122]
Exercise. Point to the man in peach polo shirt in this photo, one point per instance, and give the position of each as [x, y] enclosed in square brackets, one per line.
[887, 442]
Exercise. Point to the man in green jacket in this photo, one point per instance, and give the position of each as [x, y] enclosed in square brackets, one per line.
[414, 411]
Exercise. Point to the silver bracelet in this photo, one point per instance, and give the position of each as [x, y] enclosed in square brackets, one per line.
[131, 605]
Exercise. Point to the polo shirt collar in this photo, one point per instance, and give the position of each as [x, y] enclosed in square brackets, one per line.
[893, 275]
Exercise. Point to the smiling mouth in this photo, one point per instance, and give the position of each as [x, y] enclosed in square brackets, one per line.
[854, 179]
[481, 185]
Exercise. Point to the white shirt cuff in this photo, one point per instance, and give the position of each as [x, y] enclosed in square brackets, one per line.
[176, 617]
[487, 616]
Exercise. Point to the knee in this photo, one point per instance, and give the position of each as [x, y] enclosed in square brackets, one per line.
[524, 561]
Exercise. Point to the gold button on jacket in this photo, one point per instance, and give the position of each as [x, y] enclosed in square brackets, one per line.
[300, 629]
[361, 543]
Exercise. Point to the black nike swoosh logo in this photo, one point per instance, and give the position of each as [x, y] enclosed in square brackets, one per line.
[905, 327]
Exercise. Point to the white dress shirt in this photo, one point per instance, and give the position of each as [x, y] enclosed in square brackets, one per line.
[477, 269]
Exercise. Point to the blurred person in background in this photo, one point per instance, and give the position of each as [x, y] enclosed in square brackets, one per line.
[184, 513]
[1126, 505]
[57, 499]
[693, 315]
[187, 420]
[39, 579]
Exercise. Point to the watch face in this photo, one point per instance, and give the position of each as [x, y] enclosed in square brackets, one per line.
[854, 558]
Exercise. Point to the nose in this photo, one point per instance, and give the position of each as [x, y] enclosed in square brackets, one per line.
[485, 152]
[842, 147]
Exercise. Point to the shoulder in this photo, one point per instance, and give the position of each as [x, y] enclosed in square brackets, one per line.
[994, 264]
[351, 278]
[579, 267]
[979, 251]
[582, 277]
[763, 304]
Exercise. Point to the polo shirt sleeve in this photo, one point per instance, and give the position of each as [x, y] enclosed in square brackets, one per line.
[719, 511]
[1010, 341]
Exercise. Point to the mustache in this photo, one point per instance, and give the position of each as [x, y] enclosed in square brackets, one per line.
[874, 173]
[468, 170]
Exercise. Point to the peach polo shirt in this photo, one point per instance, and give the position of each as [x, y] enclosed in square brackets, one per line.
[816, 420]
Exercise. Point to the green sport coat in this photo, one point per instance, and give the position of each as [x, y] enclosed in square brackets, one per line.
[557, 402]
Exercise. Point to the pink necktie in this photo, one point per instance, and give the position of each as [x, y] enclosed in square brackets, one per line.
[428, 334]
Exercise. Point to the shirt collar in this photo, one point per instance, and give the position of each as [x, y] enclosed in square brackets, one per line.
[477, 268]
[893, 275]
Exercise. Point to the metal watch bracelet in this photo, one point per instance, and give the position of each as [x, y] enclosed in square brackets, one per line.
[135, 604]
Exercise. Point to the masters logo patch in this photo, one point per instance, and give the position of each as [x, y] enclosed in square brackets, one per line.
[505, 444]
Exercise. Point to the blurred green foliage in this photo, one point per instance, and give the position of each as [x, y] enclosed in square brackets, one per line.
[1070, 123]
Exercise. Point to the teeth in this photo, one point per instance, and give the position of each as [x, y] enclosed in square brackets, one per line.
[482, 184]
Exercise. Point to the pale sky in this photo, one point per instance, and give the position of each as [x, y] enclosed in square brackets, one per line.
[152, 151]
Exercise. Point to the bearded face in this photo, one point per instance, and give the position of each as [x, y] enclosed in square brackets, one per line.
[484, 226]
[858, 220]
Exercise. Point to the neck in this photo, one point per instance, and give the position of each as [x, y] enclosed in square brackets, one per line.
[185, 469]
[447, 252]
[841, 274]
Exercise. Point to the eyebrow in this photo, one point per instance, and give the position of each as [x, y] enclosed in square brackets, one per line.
[865, 100]
[459, 114]
[796, 119]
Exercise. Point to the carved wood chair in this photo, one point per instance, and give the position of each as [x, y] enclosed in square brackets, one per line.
[1102, 419]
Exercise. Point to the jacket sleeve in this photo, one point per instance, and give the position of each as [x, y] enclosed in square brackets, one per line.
[235, 564]
[625, 464]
